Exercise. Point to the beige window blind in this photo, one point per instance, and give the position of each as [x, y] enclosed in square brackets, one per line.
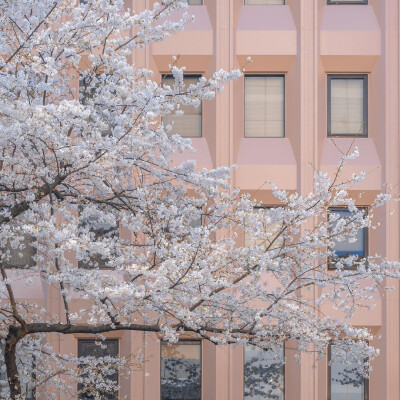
[271, 238]
[347, 106]
[264, 106]
[188, 124]
[264, 2]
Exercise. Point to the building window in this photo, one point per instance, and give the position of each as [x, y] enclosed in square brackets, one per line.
[197, 219]
[264, 109]
[195, 2]
[98, 231]
[181, 370]
[90, 348]
[20, 253]
[357, 246]
[89, 92]
[347, 1]
[188, 124]
[344, 377]
[271, 236]
[347, 105]
[264, 374]
[263, 2]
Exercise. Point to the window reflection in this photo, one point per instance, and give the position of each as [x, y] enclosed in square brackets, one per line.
[263, 374]
[181, 371]
[345, 248]
[346, 381]
[109, 348]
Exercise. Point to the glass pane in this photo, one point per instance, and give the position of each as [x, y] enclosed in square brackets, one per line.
[195, 2]
[347, 106]
[188, 124]
[88, 347]
[264, 2]
[197, 220]
[87, 91]
[101, 231]
[263, 374]
[346, 248]
[181, 371]
[22, 255]
[346, 381]
[264, 106]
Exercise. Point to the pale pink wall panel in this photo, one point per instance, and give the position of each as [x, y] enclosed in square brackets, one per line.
[350, 38]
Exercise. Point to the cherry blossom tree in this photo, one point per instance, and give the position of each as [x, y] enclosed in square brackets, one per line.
[87, 182]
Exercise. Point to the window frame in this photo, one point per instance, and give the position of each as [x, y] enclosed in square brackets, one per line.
[283, 370]
[331, 77]
[336, 2]
[331, 265]
[196, 75]
[329, 374]
[180, 341]
[258, 75]
[115, 340]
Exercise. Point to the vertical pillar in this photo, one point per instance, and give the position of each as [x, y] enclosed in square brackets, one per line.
[223, 36]
[308, 149]
[222, 361]
[391, 301]
[224, 101]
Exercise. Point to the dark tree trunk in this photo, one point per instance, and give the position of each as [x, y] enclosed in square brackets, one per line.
[11, 364]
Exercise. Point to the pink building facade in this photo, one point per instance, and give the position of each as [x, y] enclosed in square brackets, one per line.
[312, 61]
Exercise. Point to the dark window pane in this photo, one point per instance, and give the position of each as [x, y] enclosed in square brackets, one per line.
[89, 88]
[263, 374]
[20, 252]
[88, 347]
[101, 231]
[346, 382]
[181, 371]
